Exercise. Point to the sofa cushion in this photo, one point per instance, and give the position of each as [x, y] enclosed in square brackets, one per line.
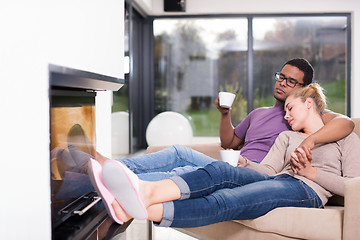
[210, 149]
[304, 223]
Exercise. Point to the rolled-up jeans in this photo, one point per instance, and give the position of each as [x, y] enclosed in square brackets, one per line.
[170, 161]
[220, 192]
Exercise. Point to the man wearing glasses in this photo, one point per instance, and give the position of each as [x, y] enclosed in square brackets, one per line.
[258, 131]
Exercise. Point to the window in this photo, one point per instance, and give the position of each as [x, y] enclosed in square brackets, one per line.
[195, 58]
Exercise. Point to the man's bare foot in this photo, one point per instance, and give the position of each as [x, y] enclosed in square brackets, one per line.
[120, 212]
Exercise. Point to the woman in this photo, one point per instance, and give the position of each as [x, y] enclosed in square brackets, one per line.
[219, 192]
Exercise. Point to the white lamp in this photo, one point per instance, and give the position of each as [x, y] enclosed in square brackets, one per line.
[169, 128]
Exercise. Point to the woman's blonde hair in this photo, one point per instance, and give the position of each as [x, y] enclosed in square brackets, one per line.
[314, 91]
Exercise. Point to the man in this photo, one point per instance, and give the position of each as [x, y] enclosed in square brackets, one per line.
[258, 131]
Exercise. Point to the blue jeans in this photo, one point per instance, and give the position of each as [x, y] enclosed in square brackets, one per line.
[171, 161]
[219, 192]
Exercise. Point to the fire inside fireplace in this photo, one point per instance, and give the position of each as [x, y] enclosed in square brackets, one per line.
[72, 144]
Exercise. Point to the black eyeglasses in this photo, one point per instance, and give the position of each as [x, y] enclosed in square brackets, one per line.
[289, 81]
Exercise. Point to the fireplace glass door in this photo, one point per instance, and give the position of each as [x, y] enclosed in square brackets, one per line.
[72, 132]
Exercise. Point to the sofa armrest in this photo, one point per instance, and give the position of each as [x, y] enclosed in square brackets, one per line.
[209, 149]
[351, 228]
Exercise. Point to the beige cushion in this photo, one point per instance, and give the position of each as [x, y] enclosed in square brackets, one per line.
[352, 209]
[210, 149]
[300, 222]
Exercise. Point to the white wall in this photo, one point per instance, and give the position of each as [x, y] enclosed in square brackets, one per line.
[146, 5]
[282, 6]
[83, 34]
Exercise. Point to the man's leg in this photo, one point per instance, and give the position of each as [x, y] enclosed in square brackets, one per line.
[173, 160]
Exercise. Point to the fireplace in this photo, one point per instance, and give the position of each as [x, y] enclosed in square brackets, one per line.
[77, 211]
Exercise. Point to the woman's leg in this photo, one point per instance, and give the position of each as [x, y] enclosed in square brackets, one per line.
[239, 203]
[219, 192]
[174, 160]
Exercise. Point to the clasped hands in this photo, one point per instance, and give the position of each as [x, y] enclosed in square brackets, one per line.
[301, 158]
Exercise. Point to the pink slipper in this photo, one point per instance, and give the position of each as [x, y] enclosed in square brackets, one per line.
[95, 175]
[124, 185]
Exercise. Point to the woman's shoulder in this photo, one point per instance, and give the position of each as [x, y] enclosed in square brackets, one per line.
[290, 133]
[285, 135]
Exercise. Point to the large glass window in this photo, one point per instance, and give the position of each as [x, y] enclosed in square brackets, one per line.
[195, 58]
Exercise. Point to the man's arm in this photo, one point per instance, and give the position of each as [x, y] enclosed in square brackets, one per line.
[336, 127]
[228, 138]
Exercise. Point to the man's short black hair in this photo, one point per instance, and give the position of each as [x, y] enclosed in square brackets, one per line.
[305, 67]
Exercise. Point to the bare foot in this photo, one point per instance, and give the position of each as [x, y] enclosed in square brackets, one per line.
[100, 158]
[120, 212]
[145, 192]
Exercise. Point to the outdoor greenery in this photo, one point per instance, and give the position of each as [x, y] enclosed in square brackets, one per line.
[120, 103]
[335, 94]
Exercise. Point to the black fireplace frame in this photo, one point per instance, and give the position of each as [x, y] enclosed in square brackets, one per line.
[70, 83]
[65, 77]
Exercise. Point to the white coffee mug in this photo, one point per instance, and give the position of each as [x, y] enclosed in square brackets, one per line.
[226, 99]
[230, 156]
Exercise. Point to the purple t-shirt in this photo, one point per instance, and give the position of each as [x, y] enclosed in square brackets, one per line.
[259, 131]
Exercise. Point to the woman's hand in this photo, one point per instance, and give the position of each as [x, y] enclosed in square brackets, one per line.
[307, 145]
[301, 165]
[241, 162]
